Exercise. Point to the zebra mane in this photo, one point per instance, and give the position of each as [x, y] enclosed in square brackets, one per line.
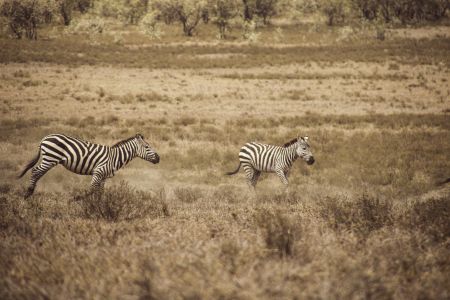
[290, 143]
[122, 142]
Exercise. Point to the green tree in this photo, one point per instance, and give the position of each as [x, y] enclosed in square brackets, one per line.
[66, 8]
[25, 16]
[222, 12]
[187, 12]
[336, 11]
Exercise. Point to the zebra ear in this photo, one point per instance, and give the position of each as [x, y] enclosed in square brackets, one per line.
[306, 138]
[139, 136]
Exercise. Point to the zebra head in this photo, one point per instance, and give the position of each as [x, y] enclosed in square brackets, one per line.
[304, 151]
[144, 150]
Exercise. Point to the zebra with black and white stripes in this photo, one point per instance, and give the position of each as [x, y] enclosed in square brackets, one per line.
[86, 158]
[256, 158]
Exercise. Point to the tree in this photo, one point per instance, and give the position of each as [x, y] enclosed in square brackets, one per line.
[24, 16]
[65, 8]
[187, 12]
[84, 5]
[223, 11]
[249, 8]
[129, 11]
[134, 10]
[266, 9]
[336, 11]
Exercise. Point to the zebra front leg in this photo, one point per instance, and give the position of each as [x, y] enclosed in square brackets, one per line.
[282, 175]
[97, 184]
[37, 173]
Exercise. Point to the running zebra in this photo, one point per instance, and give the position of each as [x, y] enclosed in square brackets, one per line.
[257, 158]
[85, 158]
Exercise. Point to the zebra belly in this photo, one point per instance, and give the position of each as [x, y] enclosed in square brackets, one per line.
[77, 171]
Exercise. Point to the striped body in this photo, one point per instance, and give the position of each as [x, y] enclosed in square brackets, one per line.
[256, 158]
[267, 158]
[86, 158]
[75, 155]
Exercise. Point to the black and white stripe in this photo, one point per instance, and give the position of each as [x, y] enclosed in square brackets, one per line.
[86, 158]
[256, 158]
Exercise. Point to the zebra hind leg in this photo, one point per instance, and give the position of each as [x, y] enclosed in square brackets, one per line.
[255, 178]
[36, 174]
[251, 175]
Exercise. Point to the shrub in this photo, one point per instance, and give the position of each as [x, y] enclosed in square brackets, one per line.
[280, 231]
[265, 9]
[336, 11]
[24, 16]
[222, 12]
[187, 12]
[226, 193]
[87, 25]
[432, 217]
[361, 216]
[83, 5]
[129, 11]
[66, 8]
[404, 11]
[187, 194]
[149, 25]
[249, 31]
[122, 202]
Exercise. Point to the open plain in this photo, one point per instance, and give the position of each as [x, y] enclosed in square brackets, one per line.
[369, 220]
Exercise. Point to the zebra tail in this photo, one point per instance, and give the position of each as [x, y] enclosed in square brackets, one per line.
[234, 172]
[30, 164]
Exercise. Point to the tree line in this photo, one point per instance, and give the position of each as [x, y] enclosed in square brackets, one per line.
[23, 17]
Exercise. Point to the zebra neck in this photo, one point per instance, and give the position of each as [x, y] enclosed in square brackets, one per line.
[123, 154]
[291, 154]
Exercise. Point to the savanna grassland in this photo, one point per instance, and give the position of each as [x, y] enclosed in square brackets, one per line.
[369, 220]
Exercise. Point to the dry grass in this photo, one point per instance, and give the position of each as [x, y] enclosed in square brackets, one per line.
[369, 220]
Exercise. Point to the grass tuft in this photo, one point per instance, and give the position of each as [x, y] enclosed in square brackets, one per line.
[123, 203]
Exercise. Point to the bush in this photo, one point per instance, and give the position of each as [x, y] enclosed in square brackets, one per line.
[404, 11]
[187, 194]
[222, 12]
[149, 25]
[24, 16]
[66, 8]
[87, 25]
[432, 217]
[129, 11]
[265, 9]
[336, 11]
[361, 216]
[249, 31]
[122, 202]
[280, 231]
[187, 12]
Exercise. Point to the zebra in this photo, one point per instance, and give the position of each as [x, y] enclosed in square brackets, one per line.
[85, 158]
[256, 158]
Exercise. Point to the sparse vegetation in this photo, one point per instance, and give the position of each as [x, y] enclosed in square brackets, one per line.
[370, 219]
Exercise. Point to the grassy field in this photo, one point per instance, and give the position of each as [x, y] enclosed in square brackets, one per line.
[369, 220]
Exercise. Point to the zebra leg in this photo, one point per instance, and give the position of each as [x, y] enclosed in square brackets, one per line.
[250, 174]
[282, 175]
[255, 178]
[37, 172]
[97, 183]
